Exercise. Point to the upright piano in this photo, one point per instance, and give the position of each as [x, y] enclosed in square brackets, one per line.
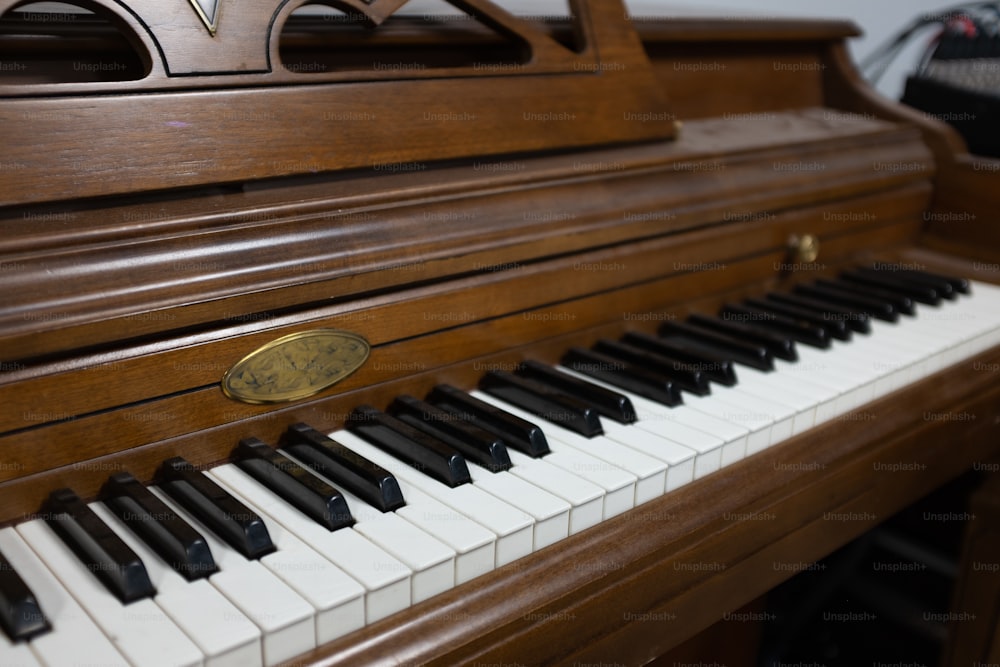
[579, 331]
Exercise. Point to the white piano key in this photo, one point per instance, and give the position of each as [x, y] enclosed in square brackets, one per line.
[337, 598]
[652, 418]
[17, 655]
[141, 631]
[513, 527]
[431, 561]
[732, 408]
[386, 580]
[550, 512]
[621, 477]
[225, 635]
[670, 422]
[285, 618]
[71, 626]
[680, 460]
[474, 545]
[599, 459]
[803, 397]
[586, 500]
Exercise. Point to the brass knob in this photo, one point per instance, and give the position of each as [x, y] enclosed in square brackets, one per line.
[804, 249]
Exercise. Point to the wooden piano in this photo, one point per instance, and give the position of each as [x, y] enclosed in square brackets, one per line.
[185, 185]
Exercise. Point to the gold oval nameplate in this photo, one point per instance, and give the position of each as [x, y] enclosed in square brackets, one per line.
[295, 366]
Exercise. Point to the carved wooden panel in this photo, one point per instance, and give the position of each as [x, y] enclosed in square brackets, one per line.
[179, 93]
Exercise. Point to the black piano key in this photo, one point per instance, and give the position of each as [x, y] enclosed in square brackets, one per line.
[920, 293]
[960, 285]
[835, 328]
[425, 453]
[474, 443]
[855, 320]
[21, 616]
[370, 482]
[518, 433]
[101, 551]
[882, 310]
[553, 405]
[742, 352]
[902, 303]
[716, 367]
[782, 347]
[942, 287]
[800, 330]
[170, 536]
[315, 498]
[630, 377]
[608, 403]
[686, 375]
[235, 523]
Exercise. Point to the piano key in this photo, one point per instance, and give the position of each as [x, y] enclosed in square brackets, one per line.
[425, 453]
[476, 444]
[343, 466]
[516, 433]
[21, 616]
[514, 529]
[140, 630]
[708, 442]
[749, 413]
[958, 284]
[716, 367]
[575, 456]
[475, 546]
[902, 303]
[877, 308]
[224, 515]
[253, 585]
[543, 401]
[686, 375]
[748, 354]
[835, 328]
[74, 627]
[337, 598]
[855, 320]
[225, 636]
[551, 513]
[14, 654]
[605, 462]
[97, 548]
[430, 564]
[617, 373]
[799, 330]
[169, 536]
[383, 582]
[921, 293]
[318, 500]
[780, 346]
[610, 404]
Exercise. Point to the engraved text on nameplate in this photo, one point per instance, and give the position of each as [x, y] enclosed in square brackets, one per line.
[295, 366]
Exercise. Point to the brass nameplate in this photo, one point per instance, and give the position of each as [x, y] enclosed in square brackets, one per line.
[295, 366]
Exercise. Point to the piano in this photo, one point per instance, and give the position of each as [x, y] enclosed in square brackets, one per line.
[366, 334]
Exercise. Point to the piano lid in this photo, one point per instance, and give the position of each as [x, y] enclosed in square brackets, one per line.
[152, 95]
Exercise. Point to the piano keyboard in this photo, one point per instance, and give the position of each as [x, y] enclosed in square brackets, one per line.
[257, 561]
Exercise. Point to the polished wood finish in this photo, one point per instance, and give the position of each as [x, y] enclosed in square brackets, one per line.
[204, 95]
[126, 299]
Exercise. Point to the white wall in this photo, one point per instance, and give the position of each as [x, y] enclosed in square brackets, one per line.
[879, 19]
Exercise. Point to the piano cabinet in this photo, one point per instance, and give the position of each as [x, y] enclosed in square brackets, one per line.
[125, 303]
